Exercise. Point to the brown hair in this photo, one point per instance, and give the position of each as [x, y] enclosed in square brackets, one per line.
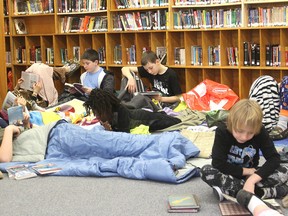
[148, 56]
[245, 113]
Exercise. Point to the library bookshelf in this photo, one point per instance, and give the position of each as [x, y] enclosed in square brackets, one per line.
[180, 24]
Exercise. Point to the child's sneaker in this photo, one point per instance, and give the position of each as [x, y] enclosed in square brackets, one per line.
[1, 175]
[217, 191]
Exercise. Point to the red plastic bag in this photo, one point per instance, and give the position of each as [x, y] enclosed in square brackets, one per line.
[210, 95]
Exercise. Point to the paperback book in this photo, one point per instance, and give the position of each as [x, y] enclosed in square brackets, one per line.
[48, 168]
[183, 203]
[29, 80]
[19, 172]
[15, 115]
[9, 101]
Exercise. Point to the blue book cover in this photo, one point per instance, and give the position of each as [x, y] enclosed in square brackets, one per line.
[15, 114]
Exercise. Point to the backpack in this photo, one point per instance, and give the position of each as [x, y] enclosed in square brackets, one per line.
[284, 93]
[124, 95]
[265, 91]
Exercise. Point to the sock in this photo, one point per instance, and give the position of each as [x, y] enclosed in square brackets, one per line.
[254, 202]
[282, 122]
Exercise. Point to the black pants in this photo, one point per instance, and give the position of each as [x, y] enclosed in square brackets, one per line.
[231, 185]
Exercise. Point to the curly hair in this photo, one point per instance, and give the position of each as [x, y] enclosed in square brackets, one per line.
[102, 103]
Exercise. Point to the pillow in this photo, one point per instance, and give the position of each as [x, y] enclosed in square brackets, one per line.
[203, 140]
[30, 146]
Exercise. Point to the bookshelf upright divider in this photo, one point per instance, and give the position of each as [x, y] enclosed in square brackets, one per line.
[204, 39]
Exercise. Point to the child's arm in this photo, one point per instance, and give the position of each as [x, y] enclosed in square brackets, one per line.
[6, 148]
[168, 99]
[251, 181]
[131, 84]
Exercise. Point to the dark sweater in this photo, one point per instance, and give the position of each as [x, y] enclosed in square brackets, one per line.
[126, 119]
[229, 156]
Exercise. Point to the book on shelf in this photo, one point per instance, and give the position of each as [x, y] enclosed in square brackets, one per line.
[183, 203]
[20, 26]
[29, 79]
[161, 53]
[76, 53]
[15, 115]
[20, 7]
[9, 101]
[75, 87]
[19, 172]
[47, 168]
[247, 53]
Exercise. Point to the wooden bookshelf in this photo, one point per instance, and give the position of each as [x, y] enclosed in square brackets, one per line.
[45, 30]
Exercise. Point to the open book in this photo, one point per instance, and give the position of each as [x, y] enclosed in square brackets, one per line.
[29, 80]
[75, 87]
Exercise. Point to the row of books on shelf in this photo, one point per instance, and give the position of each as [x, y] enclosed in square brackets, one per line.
[161, 53]
[34, 55]
[251, 55]
[121, 4]
[214, 18]
[145, 20]
[68, 6]
[22, 7]
[24, 171]
[272, 54]
[214, 57]
[203, 2]
[268, 16]
[83, 24]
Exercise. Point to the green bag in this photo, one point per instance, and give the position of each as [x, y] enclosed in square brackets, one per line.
[216, 117]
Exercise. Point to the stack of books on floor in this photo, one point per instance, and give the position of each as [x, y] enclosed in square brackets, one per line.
[24, 171]
[183, 203]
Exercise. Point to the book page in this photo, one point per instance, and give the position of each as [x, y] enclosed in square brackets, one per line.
[29, 80]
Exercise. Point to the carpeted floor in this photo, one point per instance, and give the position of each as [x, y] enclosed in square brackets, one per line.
[51, 195]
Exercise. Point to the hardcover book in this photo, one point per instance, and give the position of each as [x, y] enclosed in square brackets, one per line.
[183, 203]
[232, 208]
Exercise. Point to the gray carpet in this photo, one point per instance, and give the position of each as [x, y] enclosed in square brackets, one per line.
[50, 195]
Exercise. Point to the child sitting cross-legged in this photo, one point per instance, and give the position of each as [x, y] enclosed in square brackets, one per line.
[236, 155]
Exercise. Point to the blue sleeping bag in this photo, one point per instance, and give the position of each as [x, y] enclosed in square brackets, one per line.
[96, 152]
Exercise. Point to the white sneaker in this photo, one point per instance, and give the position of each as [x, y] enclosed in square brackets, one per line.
[217, 191]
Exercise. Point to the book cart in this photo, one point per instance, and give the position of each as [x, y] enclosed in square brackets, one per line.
[203, 39]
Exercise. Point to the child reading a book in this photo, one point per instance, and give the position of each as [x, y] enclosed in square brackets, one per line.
[115, 116]
[95, 76]
[162, 78]
[236, 153]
